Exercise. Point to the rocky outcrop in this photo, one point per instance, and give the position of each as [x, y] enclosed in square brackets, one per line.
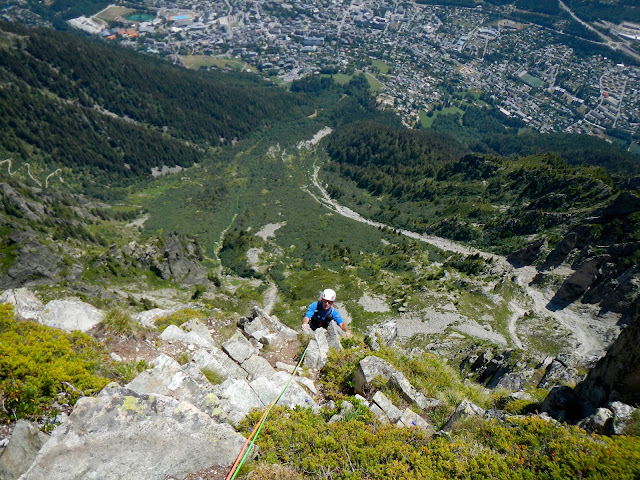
[125, 434]
[66, 315]
[616, 377]
[24, 444]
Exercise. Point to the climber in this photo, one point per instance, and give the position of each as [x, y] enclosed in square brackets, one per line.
[320, 314]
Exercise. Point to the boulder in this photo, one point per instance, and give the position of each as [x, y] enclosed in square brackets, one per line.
[368, 369]
[317, 350]
[382, 334]
[237, 399]
[392, 412]
[529, 254]
[411, 419]
[70, 315]
[334, 334]
[185, 383]
[600, 422]
[190, 333]
[24, 444]
[124, 434]
[465, 409]
[410, 394]
[621, 416]
[294, 395]
[26, 305]
[558, 373]
[239, 348]
[218, 361]
[257, 366]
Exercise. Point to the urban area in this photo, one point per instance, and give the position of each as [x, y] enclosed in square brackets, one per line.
[420, 60]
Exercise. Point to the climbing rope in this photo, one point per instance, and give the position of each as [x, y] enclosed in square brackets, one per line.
[255, 431]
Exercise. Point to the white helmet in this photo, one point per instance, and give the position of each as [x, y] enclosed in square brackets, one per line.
[328, 295]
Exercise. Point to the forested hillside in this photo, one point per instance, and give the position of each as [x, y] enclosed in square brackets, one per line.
[98, 111]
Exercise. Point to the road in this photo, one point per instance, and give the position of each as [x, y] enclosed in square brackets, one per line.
[585, 340]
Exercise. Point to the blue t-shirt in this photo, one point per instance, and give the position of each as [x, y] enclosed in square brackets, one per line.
[321, 314]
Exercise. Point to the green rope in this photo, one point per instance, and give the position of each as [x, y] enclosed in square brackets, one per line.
[246, 453]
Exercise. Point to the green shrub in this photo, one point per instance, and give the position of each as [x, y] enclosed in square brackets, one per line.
[124, 372]
[35, 360]
[117, 321]
[521, 449]
[178, 318]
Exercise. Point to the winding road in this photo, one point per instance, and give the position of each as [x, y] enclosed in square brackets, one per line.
[585, 339]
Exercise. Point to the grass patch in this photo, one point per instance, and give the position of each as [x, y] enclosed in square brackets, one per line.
[178, 318]
[117, 321]
[199, 61]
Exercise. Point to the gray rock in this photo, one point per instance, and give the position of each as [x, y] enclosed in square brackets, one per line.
[184, 383]
[559, 374]
[334, 334]
[129, 435]
[237, 399]
[317, 350]
[308, 384]
[70, 315]
[31, 210]
[410, 419]
[24, 444]
[176, 334]
[206, 361]
[621, 416]
[257, 366]
[36, 264]
[26, 305]
[410, 394]
[383, 334]
[379, 413]
[368, 369]
[515, 380]
[239, 348]
[269, 389]
[600, 422]
[465, 409]
[392, 412]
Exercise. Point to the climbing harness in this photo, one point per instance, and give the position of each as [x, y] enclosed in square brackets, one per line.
[255, 431]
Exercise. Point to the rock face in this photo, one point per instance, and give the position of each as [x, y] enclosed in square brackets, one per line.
[66, 315]
[24, 444]
[124, 434]
[616, 377]
[609, 278]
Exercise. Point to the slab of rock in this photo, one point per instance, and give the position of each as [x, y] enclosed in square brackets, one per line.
[621, 416]
[26, 305]
[237, 399]
[257, 366]
[122, 434]
[392, 412]
[465, 409]
[269, 389]
[185, 383]
[410, 418]
[410, 394]
[69, 315]
[239, 348]
[24, 444]
[317, 350]
[334, 334]
[600, 422]
[382, 334]
[205, 360]
[369, 368]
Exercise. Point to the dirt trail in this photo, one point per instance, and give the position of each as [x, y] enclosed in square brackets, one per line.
[586, 341]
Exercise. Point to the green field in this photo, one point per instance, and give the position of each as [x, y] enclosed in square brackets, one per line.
[197, 61]
[381, 66]
[531, 80]
[426, 121]
[113, 12]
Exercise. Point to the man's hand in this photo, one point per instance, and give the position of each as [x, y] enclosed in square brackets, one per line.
[306, 328]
